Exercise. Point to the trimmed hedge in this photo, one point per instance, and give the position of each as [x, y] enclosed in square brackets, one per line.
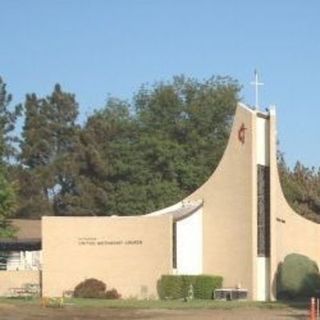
[177, 286]
[205, 285]
[298, 277]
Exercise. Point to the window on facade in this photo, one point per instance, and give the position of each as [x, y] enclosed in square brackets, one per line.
[174, 245]
[3, 260]
[263, 211]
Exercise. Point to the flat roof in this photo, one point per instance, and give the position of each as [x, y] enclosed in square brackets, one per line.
[26, 238]
[27, 229]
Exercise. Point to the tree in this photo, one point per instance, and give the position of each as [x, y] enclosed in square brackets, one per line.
[8, 120]
[185, 126]
[129, 158]
[301, 187]
[161, 147]
[7, 206]
[49, 136]
[101, 155]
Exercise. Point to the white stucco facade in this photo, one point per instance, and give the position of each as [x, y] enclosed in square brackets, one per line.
[262, 158]
[263, 272]
[263, 153]
[189, 244]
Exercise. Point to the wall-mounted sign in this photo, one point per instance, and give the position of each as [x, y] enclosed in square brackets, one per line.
[92, 241]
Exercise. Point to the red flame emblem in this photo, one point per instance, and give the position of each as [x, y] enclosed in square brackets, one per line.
[242, 134]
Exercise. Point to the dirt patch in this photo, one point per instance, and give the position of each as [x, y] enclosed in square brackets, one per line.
[36, 312]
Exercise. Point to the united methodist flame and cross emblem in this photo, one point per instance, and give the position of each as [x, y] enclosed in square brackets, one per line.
[242, 133]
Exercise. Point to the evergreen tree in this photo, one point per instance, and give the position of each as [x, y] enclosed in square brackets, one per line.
[49, 136]
[100, 161]
[8, 119]
[7, 206]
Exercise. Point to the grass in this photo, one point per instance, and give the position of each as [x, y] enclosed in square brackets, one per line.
[159, 304]
[172, 304]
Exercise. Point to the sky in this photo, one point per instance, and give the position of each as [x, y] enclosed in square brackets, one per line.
[96, 48]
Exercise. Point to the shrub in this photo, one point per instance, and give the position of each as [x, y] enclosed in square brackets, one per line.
[177, 286]
[205, 285]
[90, 288]
[298, 277]
[112, 294]
[170, 287]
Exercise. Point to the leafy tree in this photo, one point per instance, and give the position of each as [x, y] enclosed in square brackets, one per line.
[129, 158]
[165, 144]
[301, 186]
[196, 117]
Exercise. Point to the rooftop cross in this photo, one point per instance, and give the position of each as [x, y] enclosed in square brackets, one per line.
[256, 83]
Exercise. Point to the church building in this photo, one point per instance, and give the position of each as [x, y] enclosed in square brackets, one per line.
[237, 225]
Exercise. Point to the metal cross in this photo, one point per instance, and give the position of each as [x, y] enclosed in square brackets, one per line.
[256, 83]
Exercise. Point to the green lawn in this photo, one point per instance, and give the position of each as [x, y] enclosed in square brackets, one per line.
[158, 304]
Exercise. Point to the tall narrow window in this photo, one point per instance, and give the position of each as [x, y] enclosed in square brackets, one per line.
[174, 245]
[263, 211]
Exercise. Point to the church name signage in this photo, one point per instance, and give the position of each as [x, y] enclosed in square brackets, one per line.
[92, 241]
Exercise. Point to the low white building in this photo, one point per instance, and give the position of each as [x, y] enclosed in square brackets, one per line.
[23, 252]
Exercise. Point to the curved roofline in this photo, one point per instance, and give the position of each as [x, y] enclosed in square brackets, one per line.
[180, 210]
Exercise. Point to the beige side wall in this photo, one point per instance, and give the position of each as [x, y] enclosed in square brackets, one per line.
[290, 232]
[75, 249]
[17, 279]
[229, 211]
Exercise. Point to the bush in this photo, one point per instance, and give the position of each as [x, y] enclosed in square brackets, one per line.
[169, 287]
[204, 286]
[177, 286]
[90, 288]
[112, 294]
[298, 277]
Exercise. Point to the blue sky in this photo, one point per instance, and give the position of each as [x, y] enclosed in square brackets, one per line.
[100, 47]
